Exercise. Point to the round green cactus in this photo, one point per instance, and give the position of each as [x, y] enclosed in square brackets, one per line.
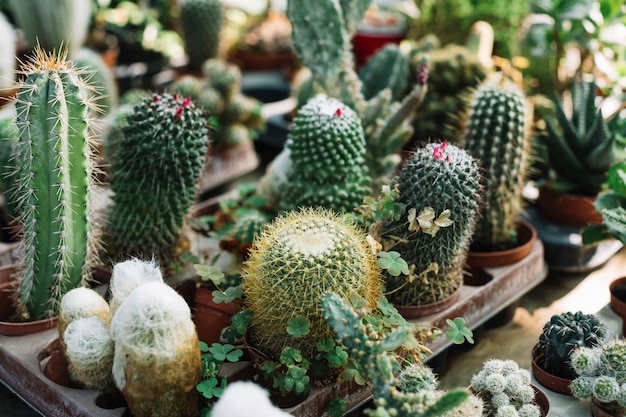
[296, 259]
[154, 176]
[201, 23]
[327, 146]
[440, 187]
[496, 133]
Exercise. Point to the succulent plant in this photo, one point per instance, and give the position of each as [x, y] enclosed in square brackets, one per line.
[54, 159]
[581, 144]
[327, 151]
[440, 189]
[101, 77]
[386, 68]
[154, 177]
[505, 389]
[496, 134]
[7, 54]
[295, 260]
[201, 25]
[601, 375]
[564, 333]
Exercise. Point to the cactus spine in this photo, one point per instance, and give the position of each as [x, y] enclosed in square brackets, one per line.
[201, 24]
[293, 262]
[54, 161]
[154, 176]
[327, 156]
[496, 133]
[440, 187]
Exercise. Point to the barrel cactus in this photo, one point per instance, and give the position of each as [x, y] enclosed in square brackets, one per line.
[201, 25]
[54, 160]
[440, 188]
[564, 333]
[154, 177]
[327, 158]
[497, 135]
[296, 259]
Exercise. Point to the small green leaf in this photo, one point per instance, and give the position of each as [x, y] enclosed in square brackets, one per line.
[298, 326]
[393, 263]
[457, 332]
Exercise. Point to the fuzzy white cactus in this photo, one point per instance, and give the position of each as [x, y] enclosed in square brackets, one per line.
[257, 402]
[127, 276]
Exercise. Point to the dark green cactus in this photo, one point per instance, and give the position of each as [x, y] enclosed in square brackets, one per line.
[564, 333]
[496, 134]
[374, 360]
[440, 187]
[8, 176]
[247, 225]
[54, 163]
[201, 25]
[154, 176]
[327, 156]
[387, 68]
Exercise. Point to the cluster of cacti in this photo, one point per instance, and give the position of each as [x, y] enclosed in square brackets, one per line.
[53, 25]
[505, 389]
[327, 152]
[201, 26]
[53, 160]
[234, 116]
[601, 375]
[155, 169]
[564, 333]
[440, 188]
[295, 260]
[386, 122]
[387, 68]
[8, 62]
[496, 133]
[581, 144]
[413, 394]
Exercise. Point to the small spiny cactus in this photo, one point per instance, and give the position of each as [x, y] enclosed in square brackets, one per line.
[201, 25]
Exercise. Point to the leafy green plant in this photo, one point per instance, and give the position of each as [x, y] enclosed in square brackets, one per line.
[458, 333]
[213, 383]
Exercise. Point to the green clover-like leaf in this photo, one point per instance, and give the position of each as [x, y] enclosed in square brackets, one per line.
[393, 263]
[210, 273]
[229, 295]
[457, 332]
[337, 407]
[337, 357]
[298, 326]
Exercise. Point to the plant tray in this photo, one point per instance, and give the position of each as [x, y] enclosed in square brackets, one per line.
[228, 164]
[21, 370]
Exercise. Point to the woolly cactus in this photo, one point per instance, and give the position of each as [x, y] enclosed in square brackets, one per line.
[79, 303]
[601, 375]
[53, 24]
[8, 62]
[54, 163]
[127, 276]
[201, 24]
[327, 158]
[505, 389]
[156, 363]
[440, 187]
[564, 333]
[295, 260]
[154, 176]
[496, 134]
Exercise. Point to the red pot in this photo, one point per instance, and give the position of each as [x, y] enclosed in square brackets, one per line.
[568, 209]
[552, 382]
[618, 299]
[414, 312]
[209, 317]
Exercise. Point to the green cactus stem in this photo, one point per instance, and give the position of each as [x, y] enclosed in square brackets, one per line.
[154, 176]
[53, 156]
[201, 25]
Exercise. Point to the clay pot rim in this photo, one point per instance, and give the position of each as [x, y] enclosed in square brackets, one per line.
[414, 312]
[509, 256]
[559, 384]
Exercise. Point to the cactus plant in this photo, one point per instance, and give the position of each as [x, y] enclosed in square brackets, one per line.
[387, 68]
[7, 53]
[53, 25]
[327, 150]
[564, 333]
[440, 188]
[601, 375]
[54, 162]
[295, 260]
[201, 25]
[101, 77]
[154, 176]
[505, 389]
[496, 134]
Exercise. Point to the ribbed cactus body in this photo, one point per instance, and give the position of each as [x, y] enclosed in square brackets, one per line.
[154, 176]
[327, 154]
[297, 259]
[388, 68]
[440, 177]
[54, 161]
[201, 23]
[496, 134]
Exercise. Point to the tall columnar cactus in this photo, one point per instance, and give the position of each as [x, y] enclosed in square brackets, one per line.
[54, 162]
[374, 360]
[387, 68]
[496, 133]
[154, 175]
[327, 158]
[296, 259]
[440, 187]
[53, 24]
[562, 334]
[201, 24]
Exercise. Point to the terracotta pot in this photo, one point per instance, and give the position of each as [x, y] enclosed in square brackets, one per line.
[599, 410]
[618, 299]
[542, 401]
[209, 317]
[477, 262]
[552, 382]
[568, 209]
[414, 312]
